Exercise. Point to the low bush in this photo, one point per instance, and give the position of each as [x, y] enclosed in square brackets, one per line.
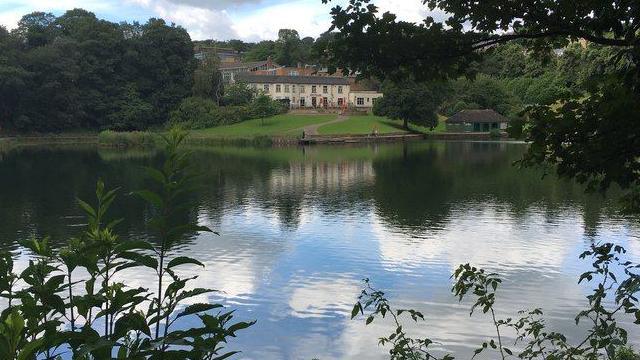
[127, 139]
[495, 134]
[199, 113]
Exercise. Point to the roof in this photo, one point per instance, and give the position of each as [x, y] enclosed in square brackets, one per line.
[241, 65]
[281, 79]
[477, 116]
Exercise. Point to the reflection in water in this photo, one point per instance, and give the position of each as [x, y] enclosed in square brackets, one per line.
[301, 228]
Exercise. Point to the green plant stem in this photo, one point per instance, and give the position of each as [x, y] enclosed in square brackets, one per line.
[73, 320]
[495, 322]
[160, 275]
[106, 301]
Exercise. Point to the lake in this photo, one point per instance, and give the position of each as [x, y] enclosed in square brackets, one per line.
[301, 227]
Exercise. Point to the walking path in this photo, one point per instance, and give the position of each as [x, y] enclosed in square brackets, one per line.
[313, 129]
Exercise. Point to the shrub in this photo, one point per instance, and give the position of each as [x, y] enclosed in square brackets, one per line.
[238, 94]
[626, 353]
[199, 113]
[495, 134]
[128, 138]
[195, 112]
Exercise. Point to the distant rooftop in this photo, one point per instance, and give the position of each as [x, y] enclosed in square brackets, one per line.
[477, 116]
[278, 79]
[241, 65]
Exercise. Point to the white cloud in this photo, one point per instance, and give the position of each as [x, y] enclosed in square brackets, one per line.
[322, 298]
[310, 19]
[407, 10]
[528, 246]
[10, 19]
[201, 23]
[251, 20]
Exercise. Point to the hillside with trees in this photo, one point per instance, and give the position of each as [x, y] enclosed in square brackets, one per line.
[77, 71]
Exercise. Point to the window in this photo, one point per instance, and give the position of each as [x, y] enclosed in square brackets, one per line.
[360, 101]
[313, 89]
[325, 89]
[374, 100]
[340, 102]
[301, 89]
[339, 89]
[293, 89]
[266, 87]
[301, 102]
[278, 88]
[293, 73]
[368, 100]
[286, 88]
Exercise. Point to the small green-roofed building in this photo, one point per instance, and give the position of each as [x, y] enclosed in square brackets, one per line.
[477, 121]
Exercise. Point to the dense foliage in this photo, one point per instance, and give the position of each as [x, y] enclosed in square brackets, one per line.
[289, 49]
[74, 303]
[411, 102]
[77, 71]
[201, 113]
[591, 133]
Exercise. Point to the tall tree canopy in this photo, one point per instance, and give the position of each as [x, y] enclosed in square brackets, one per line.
[78, 71]
[411, 102]
[592, 135]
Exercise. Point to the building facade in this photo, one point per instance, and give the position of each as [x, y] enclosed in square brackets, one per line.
[301, 91]
[477, 121]
[363, 98]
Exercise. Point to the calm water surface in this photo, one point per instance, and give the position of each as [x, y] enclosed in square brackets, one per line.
[300, 228]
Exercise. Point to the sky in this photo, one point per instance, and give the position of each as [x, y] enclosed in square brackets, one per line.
[249, 20]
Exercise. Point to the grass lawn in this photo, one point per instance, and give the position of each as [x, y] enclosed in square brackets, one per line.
[362, 125]
[279, 125]
[442, 124]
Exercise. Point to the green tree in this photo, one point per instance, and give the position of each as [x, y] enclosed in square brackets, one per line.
[36, 29]
[584, 135]
[238, 94]
[410, 101]
[13, 79]
[78, 71]
[288, 47]
[263, 107]
[163, 66]
[207, 80]
[261, 51]
[131, 112]
[483, 93]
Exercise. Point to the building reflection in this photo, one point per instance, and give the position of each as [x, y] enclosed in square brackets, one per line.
[324, 176]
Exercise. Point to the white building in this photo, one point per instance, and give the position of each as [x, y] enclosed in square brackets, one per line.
[363, 98]
[301, 91]
[311, 91]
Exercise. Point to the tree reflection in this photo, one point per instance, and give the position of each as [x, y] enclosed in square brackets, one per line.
[412, 187]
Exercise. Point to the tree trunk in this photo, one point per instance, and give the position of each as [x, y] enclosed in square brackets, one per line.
[405, 124]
